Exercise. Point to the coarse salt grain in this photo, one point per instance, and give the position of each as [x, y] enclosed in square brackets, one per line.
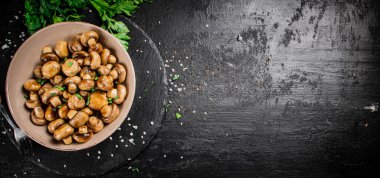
[164, 156]
[143, 142]
[179, 89]
[131, 134]
[4, 46]
[116, 146]
[147, 72]
[111, 155]
[122, 140]
[88, 154]
[184, 68]
[151, 123]
[99, 152]
[135, 127]
[128, 118]
[144, 133]
[64, 166]
[98, 157]
[131, 140]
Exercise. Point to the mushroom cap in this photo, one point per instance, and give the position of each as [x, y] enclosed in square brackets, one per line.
[105, 82]
[87, 36]
[82, 138]
[63, 131]
[70, 67]
[122, 73]
[79, 119]
[114, 113]
[86, 84]
[80, 55]
[61, 49]
[32, 85]
[75, 45]
[50, 56]
[97, 100]
[121, 93]
[50, 69]
[76, 102]
[36, 120]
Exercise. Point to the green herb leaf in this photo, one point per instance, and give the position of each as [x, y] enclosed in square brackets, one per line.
[60, 106]
[117, 97]
[26, 96]
[93, 89]
[61, 88]
[96, 78]
[178, 115]
[78, 96]
[64, 100]
[53, 94]
[41, 81]
[88, 100]
[167, 107]
[70, 64]
[110, 100]
[175, 77]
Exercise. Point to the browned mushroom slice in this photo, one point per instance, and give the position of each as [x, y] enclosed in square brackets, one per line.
[55, 101]
[95, 60]
[82, 138]
[105, 83]
[82, 129]
[80, 55]
[31, 104]
[86, 84]
[63, 131]
[50, 93]
[73, 79]
[33, 96]
[105, 55]
[112, 93]
[70, 67]
[121, 94]
[63, 111]
[32, 85]
[50, 69]
[36, 120]
[66, 95]
[37, 72]
[72, 88]
[103, 70]
[53, 125]
[45, 87]
[46, 49]
[71, 114]
[68, 140]
[97, 48]
[122, 73]
[79, 119]
[61, 49]
[76, 102]
[87, 36]
[87, 70]
[88, 111]
[75, 44]
[97, 100]
[50, 56]
[112, 59]
[95, 124]
[114, 114]
[57, 80]
[50, 114]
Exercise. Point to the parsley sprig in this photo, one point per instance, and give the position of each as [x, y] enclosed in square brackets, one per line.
[40, 13]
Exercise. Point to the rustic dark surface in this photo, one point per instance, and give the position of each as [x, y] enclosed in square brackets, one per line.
[279, 88]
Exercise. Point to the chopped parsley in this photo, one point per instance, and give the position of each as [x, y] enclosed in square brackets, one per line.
[60, 106]
[175, 77]
[53, 94]
[167, 107]
[41, 81]
[70, 64]
[88, 100]
[78, 96]
[117, 97]
[26, 96]
[64, 100]
[178, 115]
[110, 100]
[96, 78]
[93, 89]
[61, 88]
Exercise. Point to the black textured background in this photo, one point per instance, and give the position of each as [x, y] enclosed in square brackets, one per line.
[279, 88]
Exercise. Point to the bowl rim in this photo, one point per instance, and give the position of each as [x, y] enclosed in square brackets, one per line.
[131, 91]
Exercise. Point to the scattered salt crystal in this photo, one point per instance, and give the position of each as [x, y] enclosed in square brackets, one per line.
[181, 64]
[4, 46]
[129, 119]
[64, 166]
[9, 33]
[151, 123]
[126, 145]
[159, 43]
[194, 111]
[187, 57]
[144, 133]
[129, 160]
[173, 70]
[137, 50]
[119, 128]
[170, 102]
[142, 136]
[170, 89]
[139, 97]
[184, 68]
[144, 40]
[143, 142]
[206, 25]
[166, 65]
[116, 146]
[160, 68]
[205, 113]
[181, 157]
[131, 141]
[99, 152]
[135, 127]
[16, 17]
[110, 138]
[98, 157]
[175, 85]
[179, 89]
[10, 21]
[120, 136]
[159, 22]
[38, 160]
[88, 154]
[129, 124]
[90, 10]
[147, 72]
[122, 140]
[111, 155]
[164, 156]
[181, 123]
[131, 134]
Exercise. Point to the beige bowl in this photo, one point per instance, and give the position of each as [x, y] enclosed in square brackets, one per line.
[28, 56]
